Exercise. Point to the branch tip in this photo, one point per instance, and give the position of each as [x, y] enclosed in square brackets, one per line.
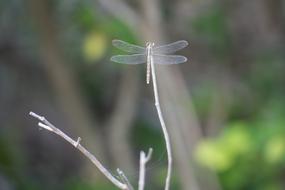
[40, 124]
[33, 114]
[77, 142]
[149, 154]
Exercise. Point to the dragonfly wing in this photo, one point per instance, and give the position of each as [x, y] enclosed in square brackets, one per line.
[168, 59]
[128, 47]
[129, 59]
[170, 48]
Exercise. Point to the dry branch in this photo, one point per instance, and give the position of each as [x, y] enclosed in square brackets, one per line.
[124, 184]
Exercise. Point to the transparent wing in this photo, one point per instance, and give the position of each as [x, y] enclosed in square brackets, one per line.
[129, 59]
[170, 48]
[128, 47]
[168, 59]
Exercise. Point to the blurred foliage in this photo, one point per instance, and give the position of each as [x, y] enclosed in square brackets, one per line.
[211, 27]
[94, 47]
[248, 155]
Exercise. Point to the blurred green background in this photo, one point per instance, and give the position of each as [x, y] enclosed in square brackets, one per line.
[224, 108]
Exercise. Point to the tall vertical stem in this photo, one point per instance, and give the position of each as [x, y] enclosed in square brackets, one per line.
[163, 126]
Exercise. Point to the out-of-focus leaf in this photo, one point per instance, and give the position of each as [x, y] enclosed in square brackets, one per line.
[275, 150]
[94, 46]
[213, 156]
[237, 139]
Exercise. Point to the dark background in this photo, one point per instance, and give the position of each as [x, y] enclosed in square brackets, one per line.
[224, 108]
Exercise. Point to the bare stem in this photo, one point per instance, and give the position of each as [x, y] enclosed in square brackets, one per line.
[143, 161]
[45, 124]
[163, 126]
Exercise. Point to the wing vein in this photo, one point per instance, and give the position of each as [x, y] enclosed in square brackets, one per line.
[129, 59]
[127, 47]
[168, 59]
[170, 48]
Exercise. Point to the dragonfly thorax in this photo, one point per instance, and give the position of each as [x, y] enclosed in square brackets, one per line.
[149, 46]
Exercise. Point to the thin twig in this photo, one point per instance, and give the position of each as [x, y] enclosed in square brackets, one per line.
[45, 124]
[163, 126]
[143, 161]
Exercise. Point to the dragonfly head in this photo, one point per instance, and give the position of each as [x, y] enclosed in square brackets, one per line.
[149, 44]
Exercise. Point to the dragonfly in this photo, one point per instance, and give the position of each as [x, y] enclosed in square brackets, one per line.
[149, 54]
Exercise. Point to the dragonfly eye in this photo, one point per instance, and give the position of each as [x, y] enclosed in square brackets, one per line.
[149, 44]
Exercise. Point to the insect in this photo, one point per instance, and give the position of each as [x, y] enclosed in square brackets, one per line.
[149, 54]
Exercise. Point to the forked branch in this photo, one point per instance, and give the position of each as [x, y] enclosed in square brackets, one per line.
[124, 184]
[143, 161]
